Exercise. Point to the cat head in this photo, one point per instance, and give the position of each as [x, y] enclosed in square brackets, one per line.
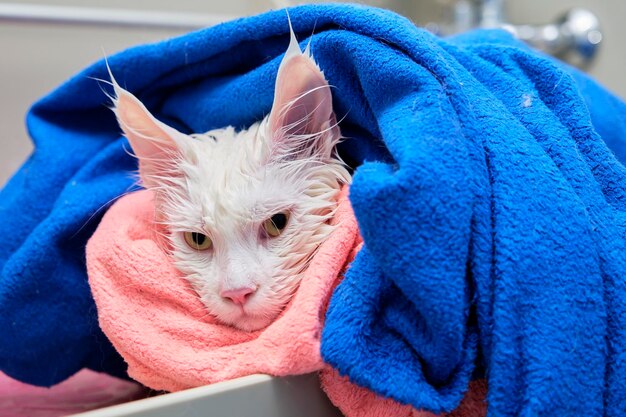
[245, 210]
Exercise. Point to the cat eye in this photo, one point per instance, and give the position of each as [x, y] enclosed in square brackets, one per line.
[198, 241]
[276, 224]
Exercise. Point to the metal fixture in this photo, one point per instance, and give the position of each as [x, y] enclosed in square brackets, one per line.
[35, 13]
[574, 36]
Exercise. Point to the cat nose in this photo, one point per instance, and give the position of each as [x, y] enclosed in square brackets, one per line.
[238, 296]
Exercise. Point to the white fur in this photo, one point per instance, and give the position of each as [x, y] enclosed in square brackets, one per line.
[225, 184]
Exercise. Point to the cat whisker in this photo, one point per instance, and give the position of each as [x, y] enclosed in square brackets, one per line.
[224, 189]
[95, 213]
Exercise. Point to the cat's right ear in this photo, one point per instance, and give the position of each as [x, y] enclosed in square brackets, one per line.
[155, 144]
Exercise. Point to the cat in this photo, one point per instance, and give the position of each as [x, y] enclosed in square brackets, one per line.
[245, 210]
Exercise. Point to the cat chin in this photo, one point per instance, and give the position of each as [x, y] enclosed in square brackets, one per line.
[247, 322]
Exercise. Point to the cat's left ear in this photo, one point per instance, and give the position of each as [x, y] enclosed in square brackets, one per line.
[302, 116]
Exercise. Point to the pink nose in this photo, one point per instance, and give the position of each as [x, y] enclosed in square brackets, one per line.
[238, 296]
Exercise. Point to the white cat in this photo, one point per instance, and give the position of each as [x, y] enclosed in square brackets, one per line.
[245, 211]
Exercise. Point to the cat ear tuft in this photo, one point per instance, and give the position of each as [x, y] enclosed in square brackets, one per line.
[302, 107]
[155, 144]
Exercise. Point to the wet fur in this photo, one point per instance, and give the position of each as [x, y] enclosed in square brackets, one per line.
[225, 183]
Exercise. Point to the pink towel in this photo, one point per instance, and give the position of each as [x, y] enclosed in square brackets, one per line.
[87, 390]
[157, 323]
[354, 401]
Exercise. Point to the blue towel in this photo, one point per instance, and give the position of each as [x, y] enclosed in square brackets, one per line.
[490, 208]
[494, 243]
[208, 79]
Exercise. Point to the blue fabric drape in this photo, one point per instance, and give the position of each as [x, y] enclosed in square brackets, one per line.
[490, 206]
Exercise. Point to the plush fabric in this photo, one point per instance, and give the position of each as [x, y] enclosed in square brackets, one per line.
[162, 329]
[607, 111]
[87, 390]
[501, 221]
[354, 401]
[480, 220]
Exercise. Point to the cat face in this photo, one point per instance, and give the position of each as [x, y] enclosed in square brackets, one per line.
[245, 211]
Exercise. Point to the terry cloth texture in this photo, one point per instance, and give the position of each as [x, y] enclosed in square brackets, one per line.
[162, 330]
[489, 205]
[501, 221]
[354, 401]
[85, 391]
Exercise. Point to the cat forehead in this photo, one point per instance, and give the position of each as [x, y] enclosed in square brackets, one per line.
[219, 151]
[225, 139]
[227, 174]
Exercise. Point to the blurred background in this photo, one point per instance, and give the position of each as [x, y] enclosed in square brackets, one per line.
[38, 56]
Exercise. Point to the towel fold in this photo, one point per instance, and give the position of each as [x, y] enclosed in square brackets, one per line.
[82, 392]
[502, 221]
[354, 401]
[170, 342]
[491, 210]
[163, 331]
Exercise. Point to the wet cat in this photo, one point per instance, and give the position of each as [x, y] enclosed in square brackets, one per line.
[245, 210]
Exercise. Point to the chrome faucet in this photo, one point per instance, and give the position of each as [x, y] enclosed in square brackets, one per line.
[574, 37]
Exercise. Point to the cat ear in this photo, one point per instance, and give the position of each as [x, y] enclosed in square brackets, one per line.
[302, 107]
[155, 144]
